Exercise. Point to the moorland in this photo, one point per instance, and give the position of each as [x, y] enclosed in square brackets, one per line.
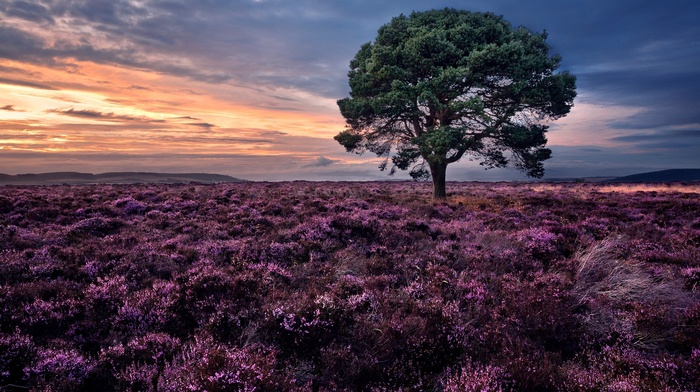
[350, 286]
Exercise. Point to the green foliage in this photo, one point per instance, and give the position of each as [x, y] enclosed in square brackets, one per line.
[438, 85]
[348, 139]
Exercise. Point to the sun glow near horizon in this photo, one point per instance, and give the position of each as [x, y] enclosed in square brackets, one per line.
[96, 108]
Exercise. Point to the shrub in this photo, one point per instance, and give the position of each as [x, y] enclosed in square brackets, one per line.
[475, 378]
[349, 286]
[206, 365]
[60, 370]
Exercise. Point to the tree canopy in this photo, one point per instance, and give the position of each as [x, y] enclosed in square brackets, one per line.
[441, 85]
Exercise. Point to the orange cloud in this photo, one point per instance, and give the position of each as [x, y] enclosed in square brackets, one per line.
[98, 108]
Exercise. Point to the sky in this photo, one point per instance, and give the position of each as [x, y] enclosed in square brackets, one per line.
[248, 88]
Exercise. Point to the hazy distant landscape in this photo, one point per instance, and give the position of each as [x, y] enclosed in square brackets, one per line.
[673, 175]
[73, 178]
[113, 178]
[301, 286]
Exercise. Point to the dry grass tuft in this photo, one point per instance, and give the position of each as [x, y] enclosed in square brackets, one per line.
[607, 284]
[601, 273]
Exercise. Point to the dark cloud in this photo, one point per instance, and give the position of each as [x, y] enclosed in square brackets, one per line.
[195, 122]
[19, 45]
[278, 108]
[9, 108]
[33, 12]
[284, 98]
[272, 133]
[98, 115]
[692, 135]
[24, 83]
[201, 125]
[308, 44]
[101, 12]
[594, 150]
[667, 98]
[321, 162]
[638, 54]
[672, 143]
[266, 44]
[214, 139]
[18, 71]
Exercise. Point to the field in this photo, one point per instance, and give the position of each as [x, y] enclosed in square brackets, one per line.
[350, 286]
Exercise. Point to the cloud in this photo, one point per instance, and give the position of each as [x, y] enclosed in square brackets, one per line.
[321, 162]
[306, 45]
[207, 140]
[20, 71]
[264, 45]
[33, 12]
[9, 108]
[686, 136]
[16, 124]
[668, 99]
[672, 143]
[23, 83]
[142, 88]
[19, 45]
[97, 115]
[292, 57]
[580, 161]
[202, 125]
[636, 55]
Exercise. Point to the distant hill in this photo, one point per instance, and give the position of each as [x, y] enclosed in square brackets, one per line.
[578, 179]
[113, 178]
[672, 175]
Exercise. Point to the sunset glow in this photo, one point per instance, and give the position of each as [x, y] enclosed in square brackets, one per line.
[122, 110]
[249, 89]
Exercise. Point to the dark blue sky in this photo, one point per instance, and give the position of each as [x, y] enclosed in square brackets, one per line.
[637, 64]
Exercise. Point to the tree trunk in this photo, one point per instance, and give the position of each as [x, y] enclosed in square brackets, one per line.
[437, 172]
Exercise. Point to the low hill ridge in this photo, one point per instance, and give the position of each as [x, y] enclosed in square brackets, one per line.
[113, 178]
[670, 175]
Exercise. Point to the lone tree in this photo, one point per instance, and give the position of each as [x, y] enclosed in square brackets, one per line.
[442, 84]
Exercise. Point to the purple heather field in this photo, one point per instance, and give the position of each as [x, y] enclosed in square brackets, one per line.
[371, 286]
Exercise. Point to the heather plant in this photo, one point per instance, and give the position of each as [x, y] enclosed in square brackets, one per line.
[349, 286]
[138, 364]
[96, 226]
[16, 352]
[60, 370]
[130, 206]
[475, 377]
[206, 365]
